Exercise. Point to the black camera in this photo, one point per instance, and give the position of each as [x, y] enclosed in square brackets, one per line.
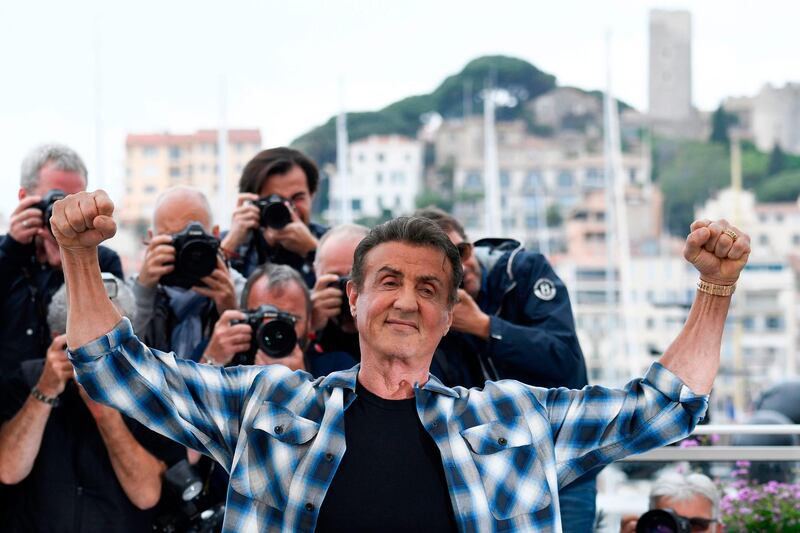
[195, 257]
[273, 332]
[46, 205]
[341, 284]
[274, 212]
[189, 507]
[663, 521]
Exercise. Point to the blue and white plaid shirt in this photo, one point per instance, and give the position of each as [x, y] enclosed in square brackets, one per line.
[506, 449]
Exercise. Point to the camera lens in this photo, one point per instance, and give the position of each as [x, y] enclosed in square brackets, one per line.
[276, 215]
[277, 338]
[662, 521]
[198, 259]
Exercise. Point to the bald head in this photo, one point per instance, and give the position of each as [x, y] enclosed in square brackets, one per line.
[177, 207]
[336, 249]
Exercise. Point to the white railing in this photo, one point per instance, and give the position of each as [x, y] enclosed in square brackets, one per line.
[728, 453]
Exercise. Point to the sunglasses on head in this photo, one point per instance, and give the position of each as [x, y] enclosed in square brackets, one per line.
[464, 250]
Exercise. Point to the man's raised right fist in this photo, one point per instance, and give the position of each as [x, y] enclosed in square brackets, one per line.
[82, 221]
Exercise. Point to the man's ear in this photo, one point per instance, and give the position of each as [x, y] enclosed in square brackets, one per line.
[22, 193]
[149, 235]
[352, 296]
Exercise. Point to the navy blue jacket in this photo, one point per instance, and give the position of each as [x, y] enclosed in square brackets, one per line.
[531, 335]
[26, 288]
[255, 251]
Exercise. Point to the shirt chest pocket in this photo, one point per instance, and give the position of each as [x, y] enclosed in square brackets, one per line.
[276, 443]
[510, 468]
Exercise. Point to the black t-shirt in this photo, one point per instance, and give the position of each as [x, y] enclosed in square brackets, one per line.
[72, 486]
[391, 476]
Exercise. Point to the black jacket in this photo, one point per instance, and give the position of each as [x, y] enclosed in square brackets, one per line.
[531, 335]
[26, 288]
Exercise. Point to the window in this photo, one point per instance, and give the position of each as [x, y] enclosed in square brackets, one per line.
[360, 157]
[239, 147]
[796, 239]
[774, 323]
[632, 174]
[379, 177]
[509, 222]
[565, 179]
[531, 203]
[749, 323]
[533, 180]
[594, 178]
[505, 179]
[149, 151]
[380, 156]
[531, 222]
[174, 172]
[150, 189]
[763, 240]
[398, 177]
[356, 204]
[174, 152]
[473, 181]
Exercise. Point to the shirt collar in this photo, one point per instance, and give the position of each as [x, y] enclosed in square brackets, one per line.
[346, 379]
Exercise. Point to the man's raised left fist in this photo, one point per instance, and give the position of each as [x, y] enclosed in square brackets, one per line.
[82, 221]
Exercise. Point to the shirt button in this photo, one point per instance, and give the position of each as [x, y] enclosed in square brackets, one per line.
[29, 332]
[278, 430]
[329, 457]
[501, 441]
[309, 507]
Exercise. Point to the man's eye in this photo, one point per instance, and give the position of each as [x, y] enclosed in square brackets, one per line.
[427, 291]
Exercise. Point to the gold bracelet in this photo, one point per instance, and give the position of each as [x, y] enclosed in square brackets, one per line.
[714, 289]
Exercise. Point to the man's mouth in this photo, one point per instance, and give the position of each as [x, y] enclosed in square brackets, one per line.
[402, 323]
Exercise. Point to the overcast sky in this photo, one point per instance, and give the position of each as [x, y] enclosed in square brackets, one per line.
[159, 64]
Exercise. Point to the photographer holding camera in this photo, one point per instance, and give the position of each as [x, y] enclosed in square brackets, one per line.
[69, 463]
[333, 325]
[679, 503]
[30, 261]
[272, 220]
[184, 286]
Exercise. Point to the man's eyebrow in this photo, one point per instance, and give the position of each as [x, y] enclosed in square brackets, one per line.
[390, 270]
[429, 279]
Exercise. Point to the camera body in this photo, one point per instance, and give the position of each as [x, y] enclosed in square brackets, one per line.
[341, 284]
[195, 257]
[663, 521]
[46, 205]
[273, 333]
[274, 212]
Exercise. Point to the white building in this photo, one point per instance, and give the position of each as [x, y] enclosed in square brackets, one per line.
[670, 70]
[776, 117]
[385, 174]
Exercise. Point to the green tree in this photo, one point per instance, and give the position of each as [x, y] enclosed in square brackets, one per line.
[777, 161]
[783, 187]
[721, 121]
[428, 198]
[553, 216]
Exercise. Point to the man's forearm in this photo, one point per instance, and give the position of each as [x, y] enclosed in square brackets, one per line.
[20, 440]
[137, 470]
[694, 355]
[91, 313]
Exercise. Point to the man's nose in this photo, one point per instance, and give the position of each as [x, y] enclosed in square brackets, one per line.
[406, 300]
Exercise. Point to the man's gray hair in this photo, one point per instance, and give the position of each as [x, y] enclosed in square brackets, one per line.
[58, 307]
[278, 277]
[60, 156]
[341, 231]
[682, 487]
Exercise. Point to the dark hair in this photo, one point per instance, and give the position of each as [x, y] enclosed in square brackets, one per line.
[278, 277]
[441, 218]
[412, 230]
[275, 161]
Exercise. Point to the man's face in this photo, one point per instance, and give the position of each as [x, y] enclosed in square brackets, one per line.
[293, 186]
[472, 269]
[336, 257]
[52, 178]
[402, 311]
[176, 211]
[289, 297]
[696, 507]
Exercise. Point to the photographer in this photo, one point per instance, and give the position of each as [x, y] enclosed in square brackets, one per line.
[239, 333]
[70, 463]
[184, 286]
[30, 262]
[687, 502]
[272, 220]
[333, 325]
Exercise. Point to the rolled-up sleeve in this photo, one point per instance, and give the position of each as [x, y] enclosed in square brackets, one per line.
[200, 406]
[596, 425]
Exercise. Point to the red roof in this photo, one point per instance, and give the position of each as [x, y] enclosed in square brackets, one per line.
[201, 136]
